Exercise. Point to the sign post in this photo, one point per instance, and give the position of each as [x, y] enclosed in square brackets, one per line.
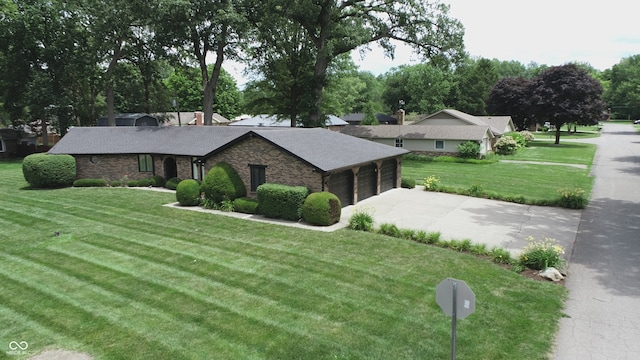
[456, 300]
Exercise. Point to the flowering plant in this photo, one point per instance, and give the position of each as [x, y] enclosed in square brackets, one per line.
[431, 183]
[540, 255]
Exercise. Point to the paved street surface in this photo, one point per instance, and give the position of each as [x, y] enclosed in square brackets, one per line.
[604, 271]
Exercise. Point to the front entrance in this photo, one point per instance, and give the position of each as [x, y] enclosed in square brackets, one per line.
[170, 168]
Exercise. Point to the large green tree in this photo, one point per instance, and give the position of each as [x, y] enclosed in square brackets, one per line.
[184, 84]
[422, 88]
[623, 94]
[474, 80]
[200, 31]
[567, 94]
[338, 27]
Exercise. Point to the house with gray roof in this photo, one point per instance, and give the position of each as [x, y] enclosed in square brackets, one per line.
[322, 160]
[499, 124]
[433, 140]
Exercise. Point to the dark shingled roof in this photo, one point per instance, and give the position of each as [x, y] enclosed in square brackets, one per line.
[436, 132]
[324, 149]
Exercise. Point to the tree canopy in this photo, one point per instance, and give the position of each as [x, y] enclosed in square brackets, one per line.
[567, 94]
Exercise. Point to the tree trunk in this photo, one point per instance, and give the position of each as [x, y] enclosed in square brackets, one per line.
[117, 51]
[557, 142]
[319, 75]
[210, 84]
[111, 117]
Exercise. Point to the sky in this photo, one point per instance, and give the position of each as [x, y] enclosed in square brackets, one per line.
[547, 32]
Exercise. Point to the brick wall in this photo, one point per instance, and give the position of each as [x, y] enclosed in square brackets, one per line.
[281, 168]
[109, 167]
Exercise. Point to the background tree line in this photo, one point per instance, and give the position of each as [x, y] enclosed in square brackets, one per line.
[81, 59]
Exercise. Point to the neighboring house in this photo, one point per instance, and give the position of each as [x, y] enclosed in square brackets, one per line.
[434, 140]
[189, 118]
[137, 119]
[319, 159]
[356, 119]
[499, 124]
[8, 143]
[263, 120]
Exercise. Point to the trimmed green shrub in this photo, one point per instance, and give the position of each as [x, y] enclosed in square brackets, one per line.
[158, 181]
[90, 183]
[188, 192]
[222, 182]
[469, 150]
[148, 182]
[321, 208]
[172, 183]
[281, 201]
[115, 183]
[132, 183]
[246, 205]
[408, 183]
[49, 171]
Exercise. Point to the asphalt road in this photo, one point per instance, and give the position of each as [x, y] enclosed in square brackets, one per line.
[603, 308]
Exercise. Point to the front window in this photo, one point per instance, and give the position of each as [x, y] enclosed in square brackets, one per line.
[399, 142]
[145, 163]
[258, 176]
[440, 144]
[2, 146]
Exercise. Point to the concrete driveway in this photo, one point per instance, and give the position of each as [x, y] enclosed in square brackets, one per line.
[494, 223]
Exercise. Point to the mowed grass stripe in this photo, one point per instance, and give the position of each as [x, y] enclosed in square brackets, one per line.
[278, 281]
[61, 313]
[17, 326]
[121, 311]
[299, 325]
[105, 223]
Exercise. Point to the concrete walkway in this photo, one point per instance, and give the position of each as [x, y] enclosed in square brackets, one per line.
[603, 308]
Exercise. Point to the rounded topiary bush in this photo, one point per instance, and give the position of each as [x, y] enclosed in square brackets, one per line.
[158, 181]
[172, 183]
[188, 192]
[321, 208]
[49, 171]
[222, 182]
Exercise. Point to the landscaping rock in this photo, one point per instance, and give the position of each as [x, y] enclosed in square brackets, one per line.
[552, 274]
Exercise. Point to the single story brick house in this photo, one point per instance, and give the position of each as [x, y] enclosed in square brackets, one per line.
[322, 160]
[432, 140]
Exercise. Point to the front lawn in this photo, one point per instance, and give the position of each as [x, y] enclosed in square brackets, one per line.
[531, 183]
[129, 278]
[545, 151]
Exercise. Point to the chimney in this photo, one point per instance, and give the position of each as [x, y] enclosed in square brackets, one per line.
[400, 117]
